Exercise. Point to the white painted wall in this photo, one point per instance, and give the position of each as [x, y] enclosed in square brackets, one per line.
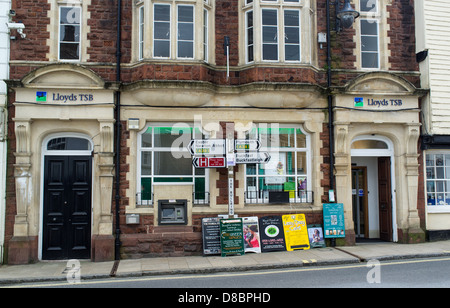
[433, 34]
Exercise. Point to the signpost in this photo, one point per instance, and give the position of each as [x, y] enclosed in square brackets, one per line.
[247, 145]
[252, 158]
[207, 147]
[226, 153]
[209, 162]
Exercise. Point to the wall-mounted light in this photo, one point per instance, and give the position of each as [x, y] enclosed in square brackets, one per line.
[345, 16]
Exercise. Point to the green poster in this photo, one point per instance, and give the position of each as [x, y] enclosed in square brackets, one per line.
[333, 220]
[231, 236]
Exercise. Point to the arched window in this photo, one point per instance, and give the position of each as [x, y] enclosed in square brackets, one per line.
[68, 144]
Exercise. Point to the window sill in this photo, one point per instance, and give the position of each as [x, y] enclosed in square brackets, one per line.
[438, 209]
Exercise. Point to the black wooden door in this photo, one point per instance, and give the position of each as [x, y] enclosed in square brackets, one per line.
[385, 198]
[67, 207]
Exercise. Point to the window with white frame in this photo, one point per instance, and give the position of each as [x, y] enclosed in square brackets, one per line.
[141, 32]
[370, 34]
[205, 35]
[163, 159]
[69, 33]
[289, 168]
[278, 31]
[438, 180]
[174, 30]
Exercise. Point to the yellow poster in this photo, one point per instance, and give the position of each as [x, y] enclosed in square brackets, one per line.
[295, 232]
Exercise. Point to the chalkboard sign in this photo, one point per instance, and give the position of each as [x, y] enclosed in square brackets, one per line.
[211, 236]
[231, 237]
[272, 234]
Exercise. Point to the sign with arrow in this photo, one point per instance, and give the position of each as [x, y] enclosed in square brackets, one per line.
[207, 147]
[209, 162]
[247, 145]
[252, 158]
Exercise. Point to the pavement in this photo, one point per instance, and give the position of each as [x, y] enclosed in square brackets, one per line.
[361, 252]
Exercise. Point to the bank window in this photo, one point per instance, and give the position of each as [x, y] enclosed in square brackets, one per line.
[205, 35]
[369, 29]
[141, 33]
[185, 31]
[270, 34]
[69, 33]
[173, 30]
[163, 159]
[369, 44]
[288, 171]
[438, 179]
[249, 36]
[276, 25]
[161, 31]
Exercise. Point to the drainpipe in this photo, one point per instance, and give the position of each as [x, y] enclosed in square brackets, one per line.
[118, 132]
[330, 98]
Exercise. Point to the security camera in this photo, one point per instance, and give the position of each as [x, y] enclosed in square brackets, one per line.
[15, 25]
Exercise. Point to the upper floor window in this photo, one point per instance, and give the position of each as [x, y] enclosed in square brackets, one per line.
[69, 33]
[173, 30]
[372, 38]
[369, 32]
[273, 30]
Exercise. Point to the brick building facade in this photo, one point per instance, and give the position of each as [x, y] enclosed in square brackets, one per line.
[175, 83]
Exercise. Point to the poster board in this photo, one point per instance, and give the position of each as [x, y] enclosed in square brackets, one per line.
[333, 220]
[231, 237]
[295, 232]
[251, 235]
[211, 236]
[316, 238]
[272, 234]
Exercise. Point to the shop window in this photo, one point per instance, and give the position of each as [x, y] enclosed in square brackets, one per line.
[163, 159]
[438, 180]
[288, 170]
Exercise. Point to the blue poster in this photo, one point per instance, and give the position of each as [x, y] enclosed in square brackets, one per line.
[333, 220]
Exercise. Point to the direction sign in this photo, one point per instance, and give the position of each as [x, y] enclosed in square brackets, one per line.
[249, 145]
[209, 162]
[207, 146]
[252, 158]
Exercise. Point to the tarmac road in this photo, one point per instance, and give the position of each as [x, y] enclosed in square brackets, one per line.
[408, 273]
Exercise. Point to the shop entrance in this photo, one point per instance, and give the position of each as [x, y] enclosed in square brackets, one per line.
[67, 200]
[372, 193]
